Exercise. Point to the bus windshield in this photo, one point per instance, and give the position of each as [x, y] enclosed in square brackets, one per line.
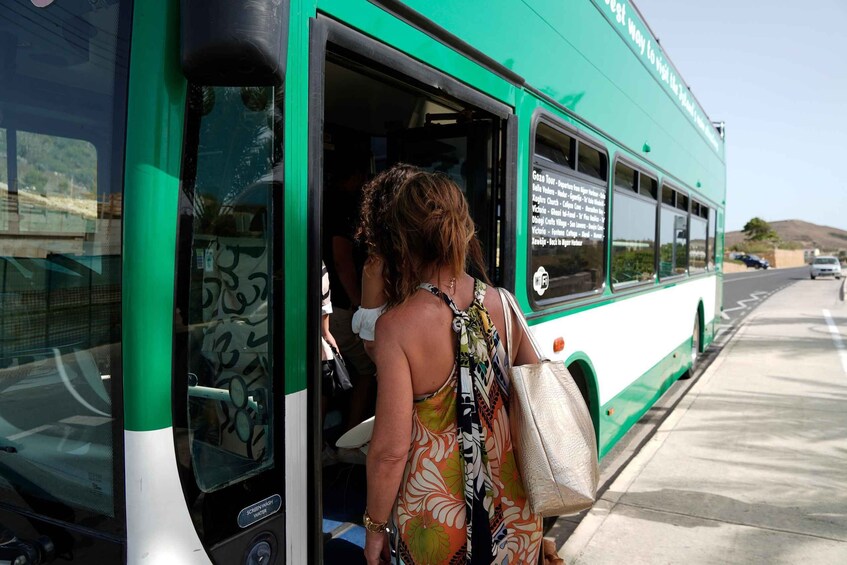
[63, 71]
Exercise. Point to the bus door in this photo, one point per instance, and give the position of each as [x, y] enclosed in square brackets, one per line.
[373, 107]
[228, 388]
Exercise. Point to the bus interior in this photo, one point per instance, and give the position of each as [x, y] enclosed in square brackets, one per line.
[387, 119]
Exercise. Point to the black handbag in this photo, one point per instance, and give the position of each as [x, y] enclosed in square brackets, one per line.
[336, 376]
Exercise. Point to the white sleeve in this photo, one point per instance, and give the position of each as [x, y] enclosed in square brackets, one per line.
[364, 321]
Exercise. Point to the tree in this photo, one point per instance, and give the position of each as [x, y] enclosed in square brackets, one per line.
[759, 230]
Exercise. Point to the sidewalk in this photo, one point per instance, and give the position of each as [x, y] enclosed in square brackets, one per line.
[751, 467]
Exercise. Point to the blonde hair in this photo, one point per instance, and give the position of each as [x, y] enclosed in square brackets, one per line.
[417, 222]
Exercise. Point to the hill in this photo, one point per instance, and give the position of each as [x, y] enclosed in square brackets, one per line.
[806, 234]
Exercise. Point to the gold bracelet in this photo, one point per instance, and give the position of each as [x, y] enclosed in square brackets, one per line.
[375, 527]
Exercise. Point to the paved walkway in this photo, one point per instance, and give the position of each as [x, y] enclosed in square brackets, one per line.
[751, 467]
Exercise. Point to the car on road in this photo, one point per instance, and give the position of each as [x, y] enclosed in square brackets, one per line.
[754, 261]
[824, 266]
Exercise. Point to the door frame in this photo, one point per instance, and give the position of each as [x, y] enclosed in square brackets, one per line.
[323, 32]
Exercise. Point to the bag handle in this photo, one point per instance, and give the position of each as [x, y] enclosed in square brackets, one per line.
[507, 314]
[507, 296]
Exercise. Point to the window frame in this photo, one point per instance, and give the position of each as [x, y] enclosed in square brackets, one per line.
[269, 481]
[328, 37]
[677, 192]
[555, 122]
[698, 203]
[637, 194]
[712, 239]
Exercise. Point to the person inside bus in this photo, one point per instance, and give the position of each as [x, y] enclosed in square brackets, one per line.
[328, 349]
[348, 171]
[445, 478]
[373, 302]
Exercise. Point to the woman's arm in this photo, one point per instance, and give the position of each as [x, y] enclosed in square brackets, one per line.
[326, 333]
[373, 292]
[373, 285]
[521, 343]
[392, 434]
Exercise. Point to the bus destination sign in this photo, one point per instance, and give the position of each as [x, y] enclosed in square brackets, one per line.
[565, 211]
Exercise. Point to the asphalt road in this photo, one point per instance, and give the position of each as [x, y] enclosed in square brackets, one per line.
[742, 292]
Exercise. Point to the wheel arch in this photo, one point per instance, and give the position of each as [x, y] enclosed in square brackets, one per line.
[583, 373]
[701, 326]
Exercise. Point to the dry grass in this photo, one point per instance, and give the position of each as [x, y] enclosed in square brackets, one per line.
[807, 234]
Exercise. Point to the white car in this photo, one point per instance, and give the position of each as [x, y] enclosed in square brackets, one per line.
[825, 266]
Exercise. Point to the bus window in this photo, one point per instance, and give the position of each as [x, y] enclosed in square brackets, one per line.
[62, 111]
[633, 230]
[4, 184]
[591, 162]
[712, 217]
[626, 177]
[673, 235]
[224, 291]
[554, 146]
[568, 219]
[698, 236]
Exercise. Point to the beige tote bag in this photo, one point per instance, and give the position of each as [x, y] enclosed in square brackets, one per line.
[551, 428]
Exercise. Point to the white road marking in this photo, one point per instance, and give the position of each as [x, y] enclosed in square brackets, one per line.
[753, 298]
[724, 316]
[26, 433]
[72, 420]
[836, 339]
[726, 280]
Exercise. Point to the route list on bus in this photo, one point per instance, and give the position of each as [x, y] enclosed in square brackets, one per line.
[565, 211]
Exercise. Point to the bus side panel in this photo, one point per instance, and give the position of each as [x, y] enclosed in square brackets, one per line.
[635, 351]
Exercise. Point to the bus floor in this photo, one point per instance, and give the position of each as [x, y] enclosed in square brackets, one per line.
[344, 500]
[343, 506]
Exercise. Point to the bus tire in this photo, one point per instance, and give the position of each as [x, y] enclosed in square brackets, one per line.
[696, 338]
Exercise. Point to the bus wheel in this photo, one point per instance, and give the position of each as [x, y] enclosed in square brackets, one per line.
[695, 348]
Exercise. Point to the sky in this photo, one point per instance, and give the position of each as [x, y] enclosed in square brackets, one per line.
[776, 73]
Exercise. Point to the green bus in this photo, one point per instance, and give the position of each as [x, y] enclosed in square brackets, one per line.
[167, 173]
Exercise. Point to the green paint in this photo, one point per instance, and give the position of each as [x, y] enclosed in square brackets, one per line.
[628, 24]
[379, 24]
[153, 148]
[593, 73]
[631, 404]
[296, 202]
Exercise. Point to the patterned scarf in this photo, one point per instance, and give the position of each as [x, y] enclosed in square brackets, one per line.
[478, 342]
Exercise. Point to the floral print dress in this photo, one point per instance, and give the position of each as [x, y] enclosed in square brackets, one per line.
[461, 462]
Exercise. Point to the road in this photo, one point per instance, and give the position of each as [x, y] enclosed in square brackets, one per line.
[742, 292]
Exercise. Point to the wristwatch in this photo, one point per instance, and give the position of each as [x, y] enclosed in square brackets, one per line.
[375, 527]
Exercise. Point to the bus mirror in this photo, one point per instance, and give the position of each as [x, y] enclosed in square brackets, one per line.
[234, 42]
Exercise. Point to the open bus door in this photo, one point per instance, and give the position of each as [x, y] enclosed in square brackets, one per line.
[368, 98]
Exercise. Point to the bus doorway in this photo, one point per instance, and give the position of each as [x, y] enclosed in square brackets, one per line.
[375, 116]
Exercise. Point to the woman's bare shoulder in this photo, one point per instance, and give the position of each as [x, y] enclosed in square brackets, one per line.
[417, 313]
[492, 301]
